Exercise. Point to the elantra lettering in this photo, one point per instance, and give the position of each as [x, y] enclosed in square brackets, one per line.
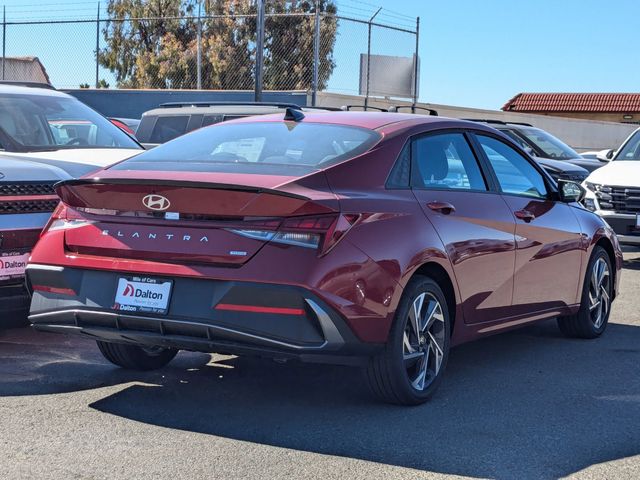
[154, 236]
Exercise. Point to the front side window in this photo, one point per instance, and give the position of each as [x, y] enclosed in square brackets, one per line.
[631, 150]
[515, 174]
[41, 122]
[260, 147]
[445, 161]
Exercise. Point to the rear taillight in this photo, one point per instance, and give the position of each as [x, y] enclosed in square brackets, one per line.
[64, 218]
[317, 232]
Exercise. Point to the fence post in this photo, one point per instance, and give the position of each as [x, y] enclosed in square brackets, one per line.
[98, 47]
[366, 97]
[199, 51]
[259, 51]
[416, 66]
[316, 55]
[4, 37]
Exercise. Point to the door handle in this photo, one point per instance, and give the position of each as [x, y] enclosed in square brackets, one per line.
[524, 215]
[441, 207]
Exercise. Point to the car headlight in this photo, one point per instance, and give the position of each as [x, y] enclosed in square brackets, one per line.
[594, 187]
[589, 204]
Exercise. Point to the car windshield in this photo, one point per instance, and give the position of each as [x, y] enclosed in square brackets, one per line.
[631, 149]
[549, 145]
[41, 122]
[263, 147]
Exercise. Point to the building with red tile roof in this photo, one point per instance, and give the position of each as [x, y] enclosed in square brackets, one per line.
[612, 107]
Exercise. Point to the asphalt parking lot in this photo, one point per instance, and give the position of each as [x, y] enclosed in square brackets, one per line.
[528, 404]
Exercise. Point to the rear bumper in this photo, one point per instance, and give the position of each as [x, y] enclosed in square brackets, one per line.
[80, 302]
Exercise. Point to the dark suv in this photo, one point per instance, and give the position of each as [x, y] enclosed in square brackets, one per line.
[170, 120]
[542, 145]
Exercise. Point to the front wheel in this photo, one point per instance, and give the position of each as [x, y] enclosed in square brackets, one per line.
[134, 357]
[411, 366]
[595, 306]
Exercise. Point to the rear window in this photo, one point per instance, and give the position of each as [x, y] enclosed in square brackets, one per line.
[168, 128]
[256, 147]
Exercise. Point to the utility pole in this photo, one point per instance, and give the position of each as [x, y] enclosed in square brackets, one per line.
[98, 47]
[259, 51]
[416, 67]
[316, 56]
[366, 98]
[199, 51]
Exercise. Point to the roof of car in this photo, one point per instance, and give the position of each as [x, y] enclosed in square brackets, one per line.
[370, 120]
[10, 89]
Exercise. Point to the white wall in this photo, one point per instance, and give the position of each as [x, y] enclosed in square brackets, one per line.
[582, 135]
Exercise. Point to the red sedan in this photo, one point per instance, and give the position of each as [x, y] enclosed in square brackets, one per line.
[376, 239]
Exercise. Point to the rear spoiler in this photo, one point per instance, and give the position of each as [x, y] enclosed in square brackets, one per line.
[76, 182]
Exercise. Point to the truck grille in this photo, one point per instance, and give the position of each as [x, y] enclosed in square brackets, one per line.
[26, 188]
[28, 206]
[619, 199]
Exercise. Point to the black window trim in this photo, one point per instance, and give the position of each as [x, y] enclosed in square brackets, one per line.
[552, 191]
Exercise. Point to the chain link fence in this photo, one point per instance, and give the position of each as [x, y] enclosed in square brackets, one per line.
[301, 51]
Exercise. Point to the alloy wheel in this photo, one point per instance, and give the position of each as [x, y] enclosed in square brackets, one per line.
[424, 341]
[599, 292]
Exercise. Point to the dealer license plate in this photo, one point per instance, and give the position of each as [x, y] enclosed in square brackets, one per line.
[13, 264]
[143, 294]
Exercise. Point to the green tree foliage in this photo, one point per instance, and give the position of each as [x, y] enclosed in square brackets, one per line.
[153, 43]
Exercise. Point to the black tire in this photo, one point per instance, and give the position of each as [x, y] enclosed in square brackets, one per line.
[586, 323]
[133, 357]
[391, 374]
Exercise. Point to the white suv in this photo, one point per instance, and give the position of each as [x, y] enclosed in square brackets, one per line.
[613, 191]
[47, 126]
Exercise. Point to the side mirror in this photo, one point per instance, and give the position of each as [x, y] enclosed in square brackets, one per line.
[571, 191]
[605, 155]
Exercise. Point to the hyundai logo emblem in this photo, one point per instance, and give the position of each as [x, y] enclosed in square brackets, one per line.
[156, 202]
[1, 175]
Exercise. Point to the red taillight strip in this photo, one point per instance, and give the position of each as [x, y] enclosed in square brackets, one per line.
[48, 289]
[258, 309]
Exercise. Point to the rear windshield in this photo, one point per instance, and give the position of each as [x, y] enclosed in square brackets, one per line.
[267, 147]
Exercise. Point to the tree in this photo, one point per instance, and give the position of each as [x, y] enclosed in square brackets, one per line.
[153, 43]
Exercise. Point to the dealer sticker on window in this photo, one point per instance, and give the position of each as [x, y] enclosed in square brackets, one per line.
[13, 264]
[142, 294]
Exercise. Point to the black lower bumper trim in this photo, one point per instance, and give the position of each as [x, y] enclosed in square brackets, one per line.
[194, 336]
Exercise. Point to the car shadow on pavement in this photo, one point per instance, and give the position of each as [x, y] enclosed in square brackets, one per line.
[528, 404]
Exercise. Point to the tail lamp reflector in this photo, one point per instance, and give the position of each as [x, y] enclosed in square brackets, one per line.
[259, 309]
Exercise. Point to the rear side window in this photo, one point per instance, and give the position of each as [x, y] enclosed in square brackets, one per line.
[445, 161]
[255, 147]
[515, 174]
[168, 128]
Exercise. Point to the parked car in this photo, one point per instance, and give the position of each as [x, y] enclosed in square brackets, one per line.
[543, 146]
[128, 125]
[27, 199]
[44, 125]
[613, 191]
[171, 120]
[378, 239]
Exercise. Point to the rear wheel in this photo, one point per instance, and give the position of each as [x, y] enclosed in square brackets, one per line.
[595, 306]
[133, 357]
[411, 366]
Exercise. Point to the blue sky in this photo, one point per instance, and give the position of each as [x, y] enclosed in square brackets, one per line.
[476, 53]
